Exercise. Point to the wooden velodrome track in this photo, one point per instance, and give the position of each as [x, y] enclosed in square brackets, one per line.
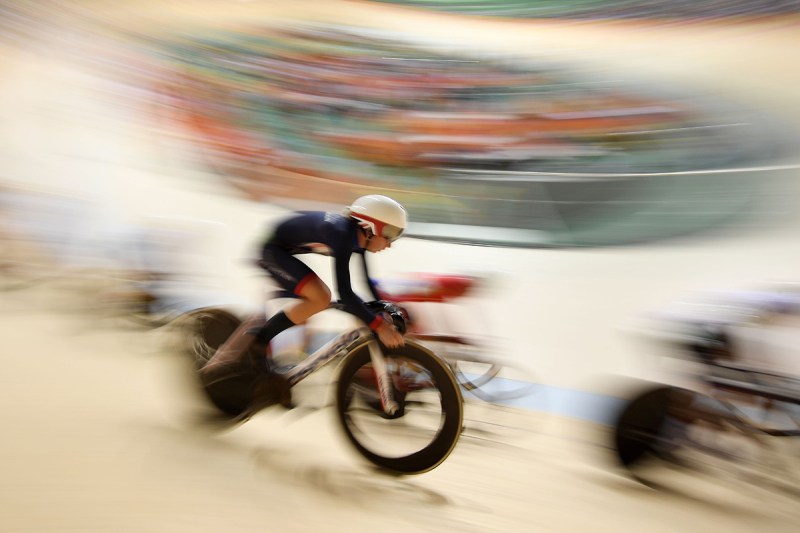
[95, 420]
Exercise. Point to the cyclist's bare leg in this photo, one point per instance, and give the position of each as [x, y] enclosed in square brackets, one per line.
[314, 297]
[231, 360]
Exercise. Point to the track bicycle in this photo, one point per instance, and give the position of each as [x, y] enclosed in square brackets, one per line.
[400, 408]
[473, 359]
[730, 424]
[478, 368]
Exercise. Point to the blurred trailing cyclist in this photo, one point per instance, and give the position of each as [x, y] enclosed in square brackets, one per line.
[370, 224]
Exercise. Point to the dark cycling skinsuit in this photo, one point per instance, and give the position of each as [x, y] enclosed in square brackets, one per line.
[321, 233]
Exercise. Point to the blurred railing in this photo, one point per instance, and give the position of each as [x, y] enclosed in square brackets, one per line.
[582, 209]
[534, 209]
[608, 9]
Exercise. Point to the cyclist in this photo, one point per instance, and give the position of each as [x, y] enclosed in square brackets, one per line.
[370, 224]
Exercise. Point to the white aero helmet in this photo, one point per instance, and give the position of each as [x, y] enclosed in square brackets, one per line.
[381, 215]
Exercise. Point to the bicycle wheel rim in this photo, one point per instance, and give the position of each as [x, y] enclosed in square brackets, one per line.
[428, 424]
[474, 375]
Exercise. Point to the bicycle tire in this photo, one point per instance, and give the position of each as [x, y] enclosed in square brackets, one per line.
[638, 424]
[477, 381]
[645, 442]
[141, 315]
[459, 353]
[206, 330]
[485, 377]
[233, 396]
[413, 402]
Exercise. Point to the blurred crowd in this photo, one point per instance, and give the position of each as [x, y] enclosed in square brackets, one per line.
[349, 111]
[323, 113]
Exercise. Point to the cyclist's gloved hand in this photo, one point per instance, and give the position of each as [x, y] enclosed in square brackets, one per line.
[388, 334]
[394, 313]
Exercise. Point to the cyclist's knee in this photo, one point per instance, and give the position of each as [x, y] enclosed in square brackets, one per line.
[316, 295]
[319, 305]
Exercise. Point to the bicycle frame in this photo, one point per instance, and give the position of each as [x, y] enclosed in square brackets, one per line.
[344, 343]
[728, 414]
[753, 384]
[341, 345]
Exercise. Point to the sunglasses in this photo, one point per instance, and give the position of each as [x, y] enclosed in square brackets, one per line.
[387, 231]
[391, 233]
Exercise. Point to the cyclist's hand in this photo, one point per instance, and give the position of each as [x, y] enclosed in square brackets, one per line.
[389, 335]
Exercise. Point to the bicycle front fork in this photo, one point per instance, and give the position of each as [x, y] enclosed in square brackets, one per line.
[383, 379]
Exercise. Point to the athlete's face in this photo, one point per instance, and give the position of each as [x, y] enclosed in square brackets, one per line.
[376, 243]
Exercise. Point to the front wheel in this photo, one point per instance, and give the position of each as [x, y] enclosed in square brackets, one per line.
[638, 429]
[428, 423]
